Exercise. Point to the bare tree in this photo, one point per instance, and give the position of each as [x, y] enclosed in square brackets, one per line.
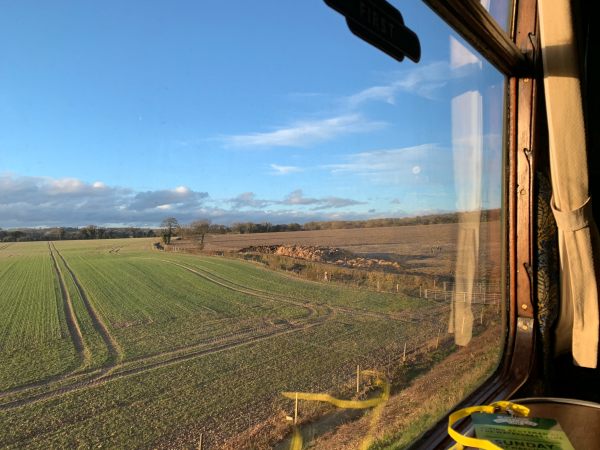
[199, 229]
[169, 225]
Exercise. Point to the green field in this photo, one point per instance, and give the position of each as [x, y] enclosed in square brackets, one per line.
[115, 344]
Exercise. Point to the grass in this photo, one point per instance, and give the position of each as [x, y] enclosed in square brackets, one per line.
[176, 345]
[34, 339]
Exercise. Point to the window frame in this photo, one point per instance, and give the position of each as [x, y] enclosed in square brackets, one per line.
[515, 55]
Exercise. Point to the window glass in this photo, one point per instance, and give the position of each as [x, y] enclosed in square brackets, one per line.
[212, 212]
[501, 10]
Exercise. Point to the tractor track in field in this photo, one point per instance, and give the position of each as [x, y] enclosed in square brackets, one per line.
[222, 281]
[74, 332]
[71, 318]
[115, 354]
[118, 369]
[156, 361]
[232, 286]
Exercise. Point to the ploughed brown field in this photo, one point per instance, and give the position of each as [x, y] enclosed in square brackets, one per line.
[420, 249]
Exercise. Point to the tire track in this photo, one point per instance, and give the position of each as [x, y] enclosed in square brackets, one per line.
[222, 281]
[115, 353]
[83, 353]
[121, 370]
[72, 323]
[232, 286]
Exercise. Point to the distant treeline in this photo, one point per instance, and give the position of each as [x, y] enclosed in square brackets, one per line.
[71, 233]
[202, 227]
[266, 227]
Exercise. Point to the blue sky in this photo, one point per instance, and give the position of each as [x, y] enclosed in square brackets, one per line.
[128, 112]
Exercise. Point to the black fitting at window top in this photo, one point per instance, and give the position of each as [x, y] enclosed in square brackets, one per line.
[381, 25]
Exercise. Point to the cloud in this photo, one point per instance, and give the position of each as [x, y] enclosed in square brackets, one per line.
[427, 163]
[43, 201]
[248, 200]
[167, 199]
[306, 133]
[337, 202]
[297, 198]
[424, 81]
[285, 170]
[462, 56]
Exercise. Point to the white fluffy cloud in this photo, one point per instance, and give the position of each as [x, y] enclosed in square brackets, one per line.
[27, 201]
[45, 201]
[428, 163]
[285, 170]
[297, 198]
[306, 133]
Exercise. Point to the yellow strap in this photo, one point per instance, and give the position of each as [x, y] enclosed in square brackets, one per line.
[462, 441]
[345, 404]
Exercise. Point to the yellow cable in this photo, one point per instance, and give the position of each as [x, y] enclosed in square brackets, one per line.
[462, 441]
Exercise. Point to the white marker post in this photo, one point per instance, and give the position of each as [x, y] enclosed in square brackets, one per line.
[296, 410]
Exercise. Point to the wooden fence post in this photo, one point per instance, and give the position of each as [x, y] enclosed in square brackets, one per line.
[404, 354]
[296, 410]
[357, 378]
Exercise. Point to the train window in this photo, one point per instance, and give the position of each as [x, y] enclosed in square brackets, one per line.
[501, 11]
[221, 220]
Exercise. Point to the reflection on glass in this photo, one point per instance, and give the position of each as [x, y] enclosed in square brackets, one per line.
[501, 10]
[228, 224]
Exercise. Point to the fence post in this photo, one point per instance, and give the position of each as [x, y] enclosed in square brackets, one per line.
[357, 378]
[404, 354]
[296, 410]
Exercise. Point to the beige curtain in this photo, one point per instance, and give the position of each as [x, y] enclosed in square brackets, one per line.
[578, 235]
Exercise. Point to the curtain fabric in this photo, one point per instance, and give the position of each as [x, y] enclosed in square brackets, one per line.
[571, 204]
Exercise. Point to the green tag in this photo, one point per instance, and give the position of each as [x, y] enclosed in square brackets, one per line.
[520, 433]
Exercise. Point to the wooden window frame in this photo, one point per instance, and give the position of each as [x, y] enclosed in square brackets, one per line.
[513, 53]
